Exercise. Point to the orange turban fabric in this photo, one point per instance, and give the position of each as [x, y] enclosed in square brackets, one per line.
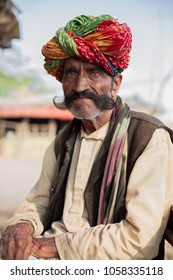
[101, 40]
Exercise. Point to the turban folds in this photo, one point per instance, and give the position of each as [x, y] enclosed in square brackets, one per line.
[101, 40]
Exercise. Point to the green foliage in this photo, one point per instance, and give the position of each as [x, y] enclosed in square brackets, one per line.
[9, 83]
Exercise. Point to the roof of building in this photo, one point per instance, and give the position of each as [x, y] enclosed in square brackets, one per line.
[37, 112]
[39, 107]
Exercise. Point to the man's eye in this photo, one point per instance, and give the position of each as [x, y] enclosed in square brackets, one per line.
[95, 73]
[70, 73]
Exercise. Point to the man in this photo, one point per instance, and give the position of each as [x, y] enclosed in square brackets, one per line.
[106, 187]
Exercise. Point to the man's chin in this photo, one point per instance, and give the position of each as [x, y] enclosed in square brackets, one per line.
[85, 114]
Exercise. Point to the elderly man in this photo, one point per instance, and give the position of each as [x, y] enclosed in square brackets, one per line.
[106, 186]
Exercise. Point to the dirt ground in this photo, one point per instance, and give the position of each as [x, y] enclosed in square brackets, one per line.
[17, 176]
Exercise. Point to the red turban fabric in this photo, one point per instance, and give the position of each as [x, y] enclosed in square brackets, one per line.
[101, 40]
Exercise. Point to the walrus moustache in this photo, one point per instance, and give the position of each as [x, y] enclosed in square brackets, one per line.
[102, 102]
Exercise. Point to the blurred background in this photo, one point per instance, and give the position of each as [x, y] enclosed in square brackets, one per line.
[28, 118]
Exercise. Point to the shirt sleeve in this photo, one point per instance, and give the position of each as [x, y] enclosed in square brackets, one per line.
[148, 202]
[34, 206]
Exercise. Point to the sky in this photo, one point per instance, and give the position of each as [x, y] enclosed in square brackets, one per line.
[150, 73]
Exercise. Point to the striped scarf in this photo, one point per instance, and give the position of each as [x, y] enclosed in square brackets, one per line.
[115, 169]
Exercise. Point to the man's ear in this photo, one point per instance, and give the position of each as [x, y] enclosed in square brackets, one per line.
[116, 85]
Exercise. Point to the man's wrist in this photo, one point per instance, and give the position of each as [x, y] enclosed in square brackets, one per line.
[30, 227]
[44, 248]
[24, 224]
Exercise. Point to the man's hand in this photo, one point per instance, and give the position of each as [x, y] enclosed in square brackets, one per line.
[44, 248]
[17, 241]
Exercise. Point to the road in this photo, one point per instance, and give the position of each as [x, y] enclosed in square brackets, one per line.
[17, 176]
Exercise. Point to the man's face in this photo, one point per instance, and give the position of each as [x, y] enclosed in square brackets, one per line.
[88, 89]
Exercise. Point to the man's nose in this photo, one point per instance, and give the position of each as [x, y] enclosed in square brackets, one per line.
[81, 83]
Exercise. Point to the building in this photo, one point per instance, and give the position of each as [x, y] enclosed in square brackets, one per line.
[29, 122]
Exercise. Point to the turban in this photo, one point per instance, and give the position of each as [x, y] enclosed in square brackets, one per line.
[101, 40]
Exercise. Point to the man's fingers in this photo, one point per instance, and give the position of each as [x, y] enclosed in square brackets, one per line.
[8, 249]
[23, 249]
[23, 254]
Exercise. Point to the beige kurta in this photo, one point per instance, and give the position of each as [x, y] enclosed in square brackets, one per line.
[75, 215]
[148, 201]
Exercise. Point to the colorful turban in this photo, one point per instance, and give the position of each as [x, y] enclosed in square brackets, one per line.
[101, 40]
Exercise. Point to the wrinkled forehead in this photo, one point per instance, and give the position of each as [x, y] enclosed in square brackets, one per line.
[76, 62]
